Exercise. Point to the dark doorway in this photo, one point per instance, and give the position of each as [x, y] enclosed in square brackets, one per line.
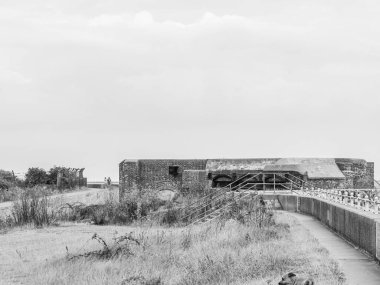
[221, 181]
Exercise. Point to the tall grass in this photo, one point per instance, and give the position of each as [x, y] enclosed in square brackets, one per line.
[32, 208]
[219, 253]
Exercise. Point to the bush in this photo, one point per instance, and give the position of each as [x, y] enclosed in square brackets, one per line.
[7, 180]
[4, 184]
[109, 213]
[53, 174]
[250, 212]
[169, 216]
[133, 208]
[32, 209]
[68, 178]
[36, 176]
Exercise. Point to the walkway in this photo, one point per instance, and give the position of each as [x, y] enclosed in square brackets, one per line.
[90, 196]
[358, 268]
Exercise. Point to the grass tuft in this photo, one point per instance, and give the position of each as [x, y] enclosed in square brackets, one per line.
[32, 209]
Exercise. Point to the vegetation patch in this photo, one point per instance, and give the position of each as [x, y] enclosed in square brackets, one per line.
[224, 252]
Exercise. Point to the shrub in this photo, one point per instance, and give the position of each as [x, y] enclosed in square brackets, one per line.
[170, 215]
[249, 211]
[35, 176]
[109, 213]
[7, 180]
[68, 178]
[52, 175]
[32, 209]
[4, 184]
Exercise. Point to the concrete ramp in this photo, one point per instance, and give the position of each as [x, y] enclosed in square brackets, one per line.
[358, 268]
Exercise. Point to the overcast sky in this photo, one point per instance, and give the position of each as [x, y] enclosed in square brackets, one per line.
[89, 83]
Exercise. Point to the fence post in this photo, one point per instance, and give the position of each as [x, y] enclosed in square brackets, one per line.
[352, 199]
[366, 203]
[358, 205]
[376, 207]
[345, 197]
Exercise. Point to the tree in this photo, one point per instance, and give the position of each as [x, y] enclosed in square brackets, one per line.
[53, 174]
[6, 179]
[36, 176]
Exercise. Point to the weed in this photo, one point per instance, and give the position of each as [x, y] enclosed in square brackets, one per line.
[186, 240]
[122, 246]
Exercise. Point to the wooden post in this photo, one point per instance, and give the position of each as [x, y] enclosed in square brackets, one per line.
[13, 178]
[264, 188]
[59, 179]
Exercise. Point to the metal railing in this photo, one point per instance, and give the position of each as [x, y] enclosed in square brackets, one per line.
[216, 195]
[298, 182]
[213, 212]
[361, 199]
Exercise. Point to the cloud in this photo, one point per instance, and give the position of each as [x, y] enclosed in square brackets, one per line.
[133, 75]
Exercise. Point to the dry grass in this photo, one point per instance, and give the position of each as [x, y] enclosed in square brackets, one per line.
[220, 254]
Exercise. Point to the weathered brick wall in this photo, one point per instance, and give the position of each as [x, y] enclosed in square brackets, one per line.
[359, 173]
[128, 177]
[327, 183]
[154, 174]
[370, 175]
[194, 181]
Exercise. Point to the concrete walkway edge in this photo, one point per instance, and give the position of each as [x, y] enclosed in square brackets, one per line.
[358, 267]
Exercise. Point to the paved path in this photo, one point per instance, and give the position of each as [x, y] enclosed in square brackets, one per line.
[358, 267]
[89, 196]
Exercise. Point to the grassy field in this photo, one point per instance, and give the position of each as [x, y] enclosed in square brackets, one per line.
[229, 253]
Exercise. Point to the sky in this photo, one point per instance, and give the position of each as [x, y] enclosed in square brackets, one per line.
[89, 83]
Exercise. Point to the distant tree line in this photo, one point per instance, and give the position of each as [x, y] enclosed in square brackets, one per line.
[36, 176]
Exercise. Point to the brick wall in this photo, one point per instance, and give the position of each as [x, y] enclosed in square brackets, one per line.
[327, 183]
[370, 175]
[194, 181]
[359, 173]
[128, 177]
[154, 174]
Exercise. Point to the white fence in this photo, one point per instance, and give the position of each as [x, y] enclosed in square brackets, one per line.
[361, 199]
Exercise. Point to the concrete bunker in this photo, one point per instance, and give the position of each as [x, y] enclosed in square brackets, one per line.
[200, 175]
